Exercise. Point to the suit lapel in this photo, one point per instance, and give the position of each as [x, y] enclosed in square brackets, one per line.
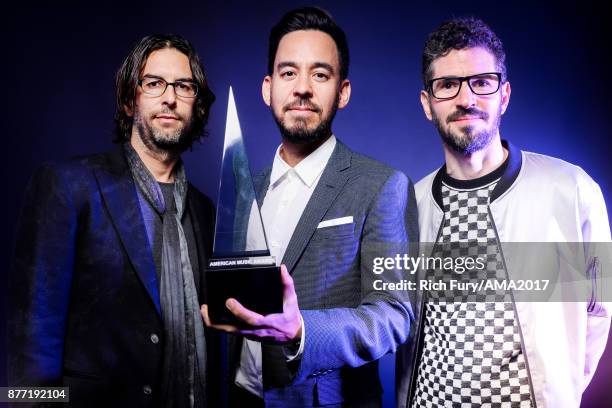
[327, 189]
[119, 194]
[276, 371]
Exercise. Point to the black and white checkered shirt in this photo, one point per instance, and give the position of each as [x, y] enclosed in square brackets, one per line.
[472, 354]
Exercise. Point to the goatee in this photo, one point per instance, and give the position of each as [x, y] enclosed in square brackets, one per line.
[467, 140]
[176, 140]
[300, 133]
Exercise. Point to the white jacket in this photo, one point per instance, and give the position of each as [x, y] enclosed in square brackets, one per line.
[538, 199]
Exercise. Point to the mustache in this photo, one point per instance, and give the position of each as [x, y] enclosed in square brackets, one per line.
[302, 103]
[167, 111]
[460, 112]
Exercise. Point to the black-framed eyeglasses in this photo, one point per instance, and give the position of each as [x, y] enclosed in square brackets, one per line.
[480, 84]
[156, 86]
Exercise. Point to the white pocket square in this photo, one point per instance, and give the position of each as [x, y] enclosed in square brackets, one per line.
[336, 221]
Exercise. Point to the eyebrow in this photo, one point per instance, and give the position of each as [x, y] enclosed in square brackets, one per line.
[159, 77]
[292, 64]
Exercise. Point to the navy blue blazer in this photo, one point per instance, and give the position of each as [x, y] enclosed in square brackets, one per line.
[84, 294]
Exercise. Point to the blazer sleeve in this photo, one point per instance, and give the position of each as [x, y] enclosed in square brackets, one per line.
[381, 322]
[40, 279]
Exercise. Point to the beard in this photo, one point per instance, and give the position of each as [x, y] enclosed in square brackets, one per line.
[299, 133]
[467, 139]
[156, 139]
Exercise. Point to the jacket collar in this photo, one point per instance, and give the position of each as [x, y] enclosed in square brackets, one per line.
[515, 161]
[309, 169]
[329, 186]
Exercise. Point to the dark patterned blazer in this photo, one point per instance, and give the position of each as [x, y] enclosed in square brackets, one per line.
[84, 294]
[349, 325]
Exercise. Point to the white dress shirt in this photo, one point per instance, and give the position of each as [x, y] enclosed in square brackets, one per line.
[288, 193]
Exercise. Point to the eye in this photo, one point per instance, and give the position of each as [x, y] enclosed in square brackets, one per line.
[449, 83]
[481, 83]
[288, 74]
[320, 76]
[445, 84]
[484, 84]
[184, 86]
[153, 83]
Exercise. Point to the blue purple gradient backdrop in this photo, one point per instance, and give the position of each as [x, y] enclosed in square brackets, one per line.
[59, 65]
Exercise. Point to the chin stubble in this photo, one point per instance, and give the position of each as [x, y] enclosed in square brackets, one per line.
[156, 139]
[468, 141]
[300, 134]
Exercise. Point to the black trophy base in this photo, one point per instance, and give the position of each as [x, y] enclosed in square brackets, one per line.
[258, 288]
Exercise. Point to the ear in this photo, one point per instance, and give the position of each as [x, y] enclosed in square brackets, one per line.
[128, 110]
[265, 89]
[424, 96]
[345, 93]
[505, 94]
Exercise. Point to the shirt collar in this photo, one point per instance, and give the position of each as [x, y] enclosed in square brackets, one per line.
[309, 169]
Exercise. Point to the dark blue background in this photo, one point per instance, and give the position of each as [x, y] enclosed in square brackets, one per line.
[59, 64]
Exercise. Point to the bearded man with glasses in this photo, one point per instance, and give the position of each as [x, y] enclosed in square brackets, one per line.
[108, 272]
[488, 193]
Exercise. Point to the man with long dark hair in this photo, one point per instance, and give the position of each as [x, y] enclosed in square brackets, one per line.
[107, 276]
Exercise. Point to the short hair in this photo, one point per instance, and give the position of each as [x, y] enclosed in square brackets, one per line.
[129, 73]
[458, 34]
[309, 18]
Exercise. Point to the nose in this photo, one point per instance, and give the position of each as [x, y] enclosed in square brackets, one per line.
[169, 96]
[466, 97]
[303, 86]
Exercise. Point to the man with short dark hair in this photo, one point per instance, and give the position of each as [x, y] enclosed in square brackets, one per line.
[327, 212]
[489, 193]
[107, 274]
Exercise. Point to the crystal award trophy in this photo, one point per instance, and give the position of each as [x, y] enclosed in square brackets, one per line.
[241, 266]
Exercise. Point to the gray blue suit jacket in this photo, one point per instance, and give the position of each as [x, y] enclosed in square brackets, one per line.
[349, 325]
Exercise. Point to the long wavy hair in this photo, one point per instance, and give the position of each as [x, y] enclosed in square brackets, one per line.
[129, 74]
